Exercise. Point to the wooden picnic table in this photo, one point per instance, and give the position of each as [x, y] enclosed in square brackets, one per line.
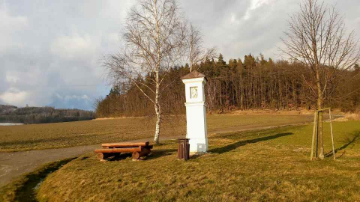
[138, 149]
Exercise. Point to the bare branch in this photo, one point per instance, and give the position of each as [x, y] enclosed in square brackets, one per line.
[317, 38]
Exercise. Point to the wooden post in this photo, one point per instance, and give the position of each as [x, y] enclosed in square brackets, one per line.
[315, 133]
[332, 135]
[313, 137]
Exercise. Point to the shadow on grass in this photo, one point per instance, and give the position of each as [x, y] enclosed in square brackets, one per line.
[153, 155]
[356, 136]
[235, 145]
[119, 157]
[160, 153]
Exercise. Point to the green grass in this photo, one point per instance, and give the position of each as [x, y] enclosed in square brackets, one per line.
[58, 135]
[24, 188]
[265, 165]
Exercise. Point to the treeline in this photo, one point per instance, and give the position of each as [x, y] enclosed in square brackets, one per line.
[32, 115]
[251, 83]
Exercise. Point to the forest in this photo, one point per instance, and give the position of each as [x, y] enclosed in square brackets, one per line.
[32, 115]
[240, 84]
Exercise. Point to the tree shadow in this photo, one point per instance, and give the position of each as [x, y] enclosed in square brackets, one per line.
[235, 145]
[356, 136]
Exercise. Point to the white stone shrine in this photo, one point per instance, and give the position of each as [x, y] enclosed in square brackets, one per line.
[196, 112]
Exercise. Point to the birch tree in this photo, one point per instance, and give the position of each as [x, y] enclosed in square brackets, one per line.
[317, 37]
[154, 41]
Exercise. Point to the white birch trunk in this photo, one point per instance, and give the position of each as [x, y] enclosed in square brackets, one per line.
[157, 80]
[157, 111]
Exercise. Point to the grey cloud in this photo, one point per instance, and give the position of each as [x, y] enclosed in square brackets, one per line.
[261, 32]
[50, 51]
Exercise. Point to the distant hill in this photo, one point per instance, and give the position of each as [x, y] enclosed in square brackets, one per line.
[31, 115]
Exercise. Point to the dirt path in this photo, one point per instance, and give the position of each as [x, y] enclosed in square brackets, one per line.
[14, 164]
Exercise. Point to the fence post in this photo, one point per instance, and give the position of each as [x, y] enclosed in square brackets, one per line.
[332, 135]
[313, 137]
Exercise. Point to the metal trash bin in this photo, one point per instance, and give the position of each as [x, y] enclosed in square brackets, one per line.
[184, 149]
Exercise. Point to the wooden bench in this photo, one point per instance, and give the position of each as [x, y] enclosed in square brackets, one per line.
[138, 149]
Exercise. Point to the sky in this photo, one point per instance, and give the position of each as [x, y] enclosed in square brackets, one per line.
[51, 51]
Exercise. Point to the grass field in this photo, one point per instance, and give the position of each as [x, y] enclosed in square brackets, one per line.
[58, 135]
[266, 165]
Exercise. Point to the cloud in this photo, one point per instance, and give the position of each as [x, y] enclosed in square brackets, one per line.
[14, 96]
[9, 22]
[72, 101]
[10, 26]
[53, 48]
[75, 46]
[255, 4]
[11, 78]
[50, 53]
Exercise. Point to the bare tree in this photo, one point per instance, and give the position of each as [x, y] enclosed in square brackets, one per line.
[317, 38]
[196, 52]
[155, 40]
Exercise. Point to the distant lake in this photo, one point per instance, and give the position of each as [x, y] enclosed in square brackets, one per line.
[11, 124]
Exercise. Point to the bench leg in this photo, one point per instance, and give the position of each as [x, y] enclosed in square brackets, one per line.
[136, 155]
[103, 156]
[144, 152]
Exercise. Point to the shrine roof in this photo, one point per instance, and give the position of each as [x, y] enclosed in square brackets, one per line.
[193, 75]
